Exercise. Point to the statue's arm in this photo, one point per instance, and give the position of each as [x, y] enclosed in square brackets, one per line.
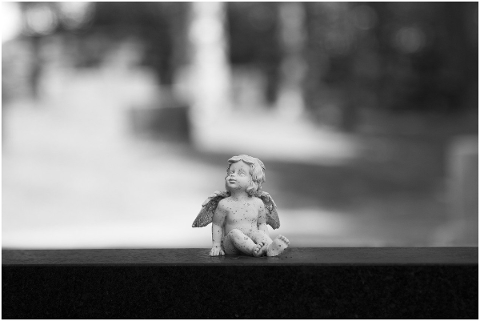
[217, 229]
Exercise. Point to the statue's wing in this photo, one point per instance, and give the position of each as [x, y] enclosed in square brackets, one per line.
[205, 216]
[271, 207]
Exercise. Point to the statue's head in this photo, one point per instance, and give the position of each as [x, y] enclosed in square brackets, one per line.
[257, 171]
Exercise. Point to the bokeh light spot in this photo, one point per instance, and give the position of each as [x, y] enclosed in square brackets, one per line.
[364, 17]
[410, 39]
[11, 21]
[75, 14]
[41, 20]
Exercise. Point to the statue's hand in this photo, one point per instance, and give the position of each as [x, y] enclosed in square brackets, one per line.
[216, 251]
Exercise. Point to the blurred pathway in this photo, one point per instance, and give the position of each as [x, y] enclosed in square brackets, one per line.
[270, 135]
[73, 176]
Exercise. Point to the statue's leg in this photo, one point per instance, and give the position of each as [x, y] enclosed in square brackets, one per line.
[278, 246]
[260, 237]
[236, 241]
[228, 245]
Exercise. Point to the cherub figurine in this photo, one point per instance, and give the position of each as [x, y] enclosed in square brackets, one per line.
[240, 215]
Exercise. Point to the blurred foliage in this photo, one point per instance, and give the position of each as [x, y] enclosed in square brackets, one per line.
[253, 40]
[382, 55]
[160, 26]
[398, 56]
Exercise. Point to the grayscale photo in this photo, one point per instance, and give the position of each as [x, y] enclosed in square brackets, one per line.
[239, 160]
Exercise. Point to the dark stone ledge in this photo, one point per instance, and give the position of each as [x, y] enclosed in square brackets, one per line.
[315, 283]
[291, 257]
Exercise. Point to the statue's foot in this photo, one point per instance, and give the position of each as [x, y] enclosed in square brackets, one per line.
[259, 249]
[278, 246]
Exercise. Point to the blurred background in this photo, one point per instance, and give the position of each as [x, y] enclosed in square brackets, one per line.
[118, 120]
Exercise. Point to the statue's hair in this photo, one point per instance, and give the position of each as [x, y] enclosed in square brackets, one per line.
[257, 171]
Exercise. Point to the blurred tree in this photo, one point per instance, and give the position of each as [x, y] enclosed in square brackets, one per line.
[392, 56]
[253, 39]
[293, 65]
[330, 57]
[160, 26]
[429, 59]
[162, 29]
[209, 66]
[39, 20]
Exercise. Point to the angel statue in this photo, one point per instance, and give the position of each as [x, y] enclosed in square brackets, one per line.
[240, 215]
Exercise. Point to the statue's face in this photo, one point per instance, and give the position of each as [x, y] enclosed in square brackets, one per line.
[238, 176]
